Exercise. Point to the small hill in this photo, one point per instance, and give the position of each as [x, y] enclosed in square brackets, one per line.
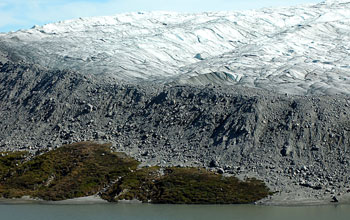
[85, 169]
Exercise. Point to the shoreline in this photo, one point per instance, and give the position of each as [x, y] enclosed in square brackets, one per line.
[76, 201]
[93, 200]
[294, 199]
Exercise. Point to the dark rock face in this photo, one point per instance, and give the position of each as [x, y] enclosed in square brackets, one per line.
[287, 140]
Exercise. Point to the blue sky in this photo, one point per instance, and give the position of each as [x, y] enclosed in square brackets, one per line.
[23, 14]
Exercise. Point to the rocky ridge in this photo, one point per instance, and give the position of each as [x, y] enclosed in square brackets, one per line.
[297, 144]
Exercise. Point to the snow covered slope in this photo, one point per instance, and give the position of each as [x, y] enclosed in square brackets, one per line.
[297, 50]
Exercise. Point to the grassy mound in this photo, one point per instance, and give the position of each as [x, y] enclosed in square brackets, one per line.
[68, 172]
[9, 160]
[87, 168]
[186, 186]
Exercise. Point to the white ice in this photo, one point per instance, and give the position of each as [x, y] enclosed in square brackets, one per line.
[297, 50]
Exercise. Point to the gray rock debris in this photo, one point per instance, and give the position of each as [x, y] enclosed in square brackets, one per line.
[293, 143]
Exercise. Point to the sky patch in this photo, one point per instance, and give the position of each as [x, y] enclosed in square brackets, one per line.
[23, 14]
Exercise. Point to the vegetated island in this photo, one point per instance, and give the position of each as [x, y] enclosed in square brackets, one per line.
[87, 168]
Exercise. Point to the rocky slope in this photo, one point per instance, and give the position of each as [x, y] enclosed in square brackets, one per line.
[260, 93]
[297, 144]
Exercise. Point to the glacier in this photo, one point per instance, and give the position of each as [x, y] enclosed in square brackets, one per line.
[299, 50]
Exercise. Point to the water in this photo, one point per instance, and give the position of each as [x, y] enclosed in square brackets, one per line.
[171, 212]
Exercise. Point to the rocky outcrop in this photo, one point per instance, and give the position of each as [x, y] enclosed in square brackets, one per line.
[292, 142]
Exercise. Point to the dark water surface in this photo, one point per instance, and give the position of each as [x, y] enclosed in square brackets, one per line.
[171, 212]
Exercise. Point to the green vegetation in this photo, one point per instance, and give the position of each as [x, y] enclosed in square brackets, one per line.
[9, 160]
[87, 168]
[70, 171]
[186, 186]
[138, 185]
